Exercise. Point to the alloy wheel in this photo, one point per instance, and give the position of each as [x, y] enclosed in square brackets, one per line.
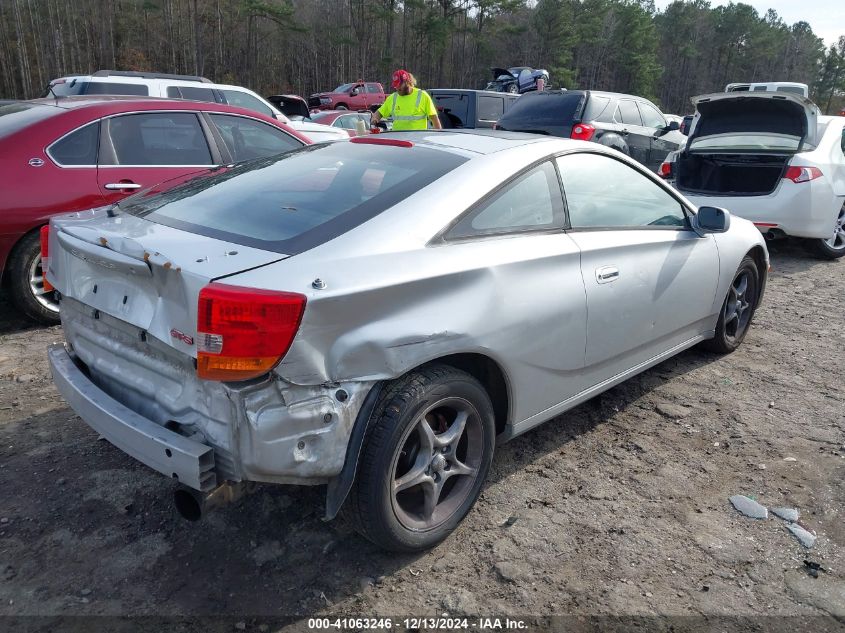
[837, 242]
[36, 285]
[737, 310]
[437, 464]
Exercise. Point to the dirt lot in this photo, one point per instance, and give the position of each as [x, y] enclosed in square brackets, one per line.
[618, 507]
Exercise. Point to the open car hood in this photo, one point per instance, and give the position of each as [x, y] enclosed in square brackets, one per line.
[726, 113]
[290, 105]
[498, 72]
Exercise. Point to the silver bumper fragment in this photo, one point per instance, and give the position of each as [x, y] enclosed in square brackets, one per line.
[163, 450]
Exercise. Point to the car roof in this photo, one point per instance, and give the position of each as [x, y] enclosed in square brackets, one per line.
[468, 90]
[468, 142]
[122, 102]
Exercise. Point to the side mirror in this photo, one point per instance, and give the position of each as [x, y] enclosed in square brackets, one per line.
[711, 220]
[353, 92]
[673, 125]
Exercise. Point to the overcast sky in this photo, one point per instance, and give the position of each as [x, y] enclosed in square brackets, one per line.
[826, 17]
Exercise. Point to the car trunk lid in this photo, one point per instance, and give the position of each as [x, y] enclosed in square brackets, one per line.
[146, 274]
[778, 122]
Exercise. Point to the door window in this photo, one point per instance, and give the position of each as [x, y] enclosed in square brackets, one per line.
[602, 192]
[490, 108]
[245, 100]
[160, 138]
[78, 147]
[530, 203]
[628, 112]
[192, 93]
[651, 117]
[247, 139]
[373, 89]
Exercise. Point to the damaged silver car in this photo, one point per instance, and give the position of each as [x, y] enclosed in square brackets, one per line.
[376, 315]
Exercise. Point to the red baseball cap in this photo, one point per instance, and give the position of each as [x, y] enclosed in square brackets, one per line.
[399, 77]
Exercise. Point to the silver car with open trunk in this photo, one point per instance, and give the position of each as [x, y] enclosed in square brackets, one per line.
[376, 314]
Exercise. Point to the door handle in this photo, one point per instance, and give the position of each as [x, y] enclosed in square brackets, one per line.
[118, 186]
[606, 274]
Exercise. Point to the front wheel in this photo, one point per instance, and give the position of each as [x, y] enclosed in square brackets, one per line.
[832, 247]
[512, 88]
[737, 310]
[341, 106]
[425, 457]
[26, 282]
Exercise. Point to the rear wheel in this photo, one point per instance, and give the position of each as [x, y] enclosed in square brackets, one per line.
[737, 310]
[26, 282]
[424, 459]
[832, 247]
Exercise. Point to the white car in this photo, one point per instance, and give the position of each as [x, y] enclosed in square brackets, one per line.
[771, 158]
[119, 82]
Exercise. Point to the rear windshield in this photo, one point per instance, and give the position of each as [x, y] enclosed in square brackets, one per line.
[16, 116]
[295, 201]
[453, 109]
[543, 109]
[82, 87]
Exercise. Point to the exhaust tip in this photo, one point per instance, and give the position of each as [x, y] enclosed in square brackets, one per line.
[187, 505]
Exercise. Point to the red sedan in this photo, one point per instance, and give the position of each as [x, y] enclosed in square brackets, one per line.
[76, 153]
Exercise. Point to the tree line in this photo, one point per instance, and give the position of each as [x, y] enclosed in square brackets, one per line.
[305, 46]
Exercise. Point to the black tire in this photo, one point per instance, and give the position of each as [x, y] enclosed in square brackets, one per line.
[25, 261]
[512, 88]
[393, 451]
[737, 310]
[832, 247]
[341, 106]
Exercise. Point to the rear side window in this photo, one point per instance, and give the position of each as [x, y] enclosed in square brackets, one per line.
[245, 100]
[298, 200]
[373, 89]
[83, 87]
[539, 110]
[530, 203]
[113, 88]
[78, 147]
[490, 108]
[247, 139]
[192, 93]
[597, 110]
[628, 113]
[160, 139]
[602, 192]
[453, 109]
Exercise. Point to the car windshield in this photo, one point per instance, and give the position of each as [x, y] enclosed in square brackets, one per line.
[298, 200]
[749, 142]
[343, 88]
[15, 116]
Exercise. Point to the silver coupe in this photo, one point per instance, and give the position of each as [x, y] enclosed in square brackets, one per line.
[377, 314]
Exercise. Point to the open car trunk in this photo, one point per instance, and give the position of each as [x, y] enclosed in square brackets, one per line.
[742, 142]
[730, 174]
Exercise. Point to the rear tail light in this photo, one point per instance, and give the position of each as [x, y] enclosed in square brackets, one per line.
[45, 256]
[665, 170]
[243, 333]
[802, 174]
[582, 131]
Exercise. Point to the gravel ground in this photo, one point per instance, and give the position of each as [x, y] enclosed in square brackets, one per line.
[618, 507]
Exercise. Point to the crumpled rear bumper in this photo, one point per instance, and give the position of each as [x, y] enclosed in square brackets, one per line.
[188, 461]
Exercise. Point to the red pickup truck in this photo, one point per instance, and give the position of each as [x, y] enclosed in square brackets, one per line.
[359, 95]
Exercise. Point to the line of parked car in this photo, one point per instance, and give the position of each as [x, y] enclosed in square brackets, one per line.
[240, 304]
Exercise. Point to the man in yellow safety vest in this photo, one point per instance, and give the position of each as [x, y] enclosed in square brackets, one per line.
[409, 107]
